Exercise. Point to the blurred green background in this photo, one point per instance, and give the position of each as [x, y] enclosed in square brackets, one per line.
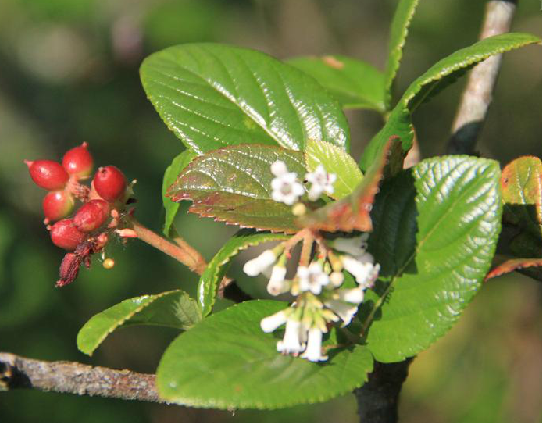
[69, 73]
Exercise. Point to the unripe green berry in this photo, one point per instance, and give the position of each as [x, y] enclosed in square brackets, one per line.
[47, 174]
[65, 235]
[110, 183]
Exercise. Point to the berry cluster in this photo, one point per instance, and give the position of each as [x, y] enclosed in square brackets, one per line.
[100, 214]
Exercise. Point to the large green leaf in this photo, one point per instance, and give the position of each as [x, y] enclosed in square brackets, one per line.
[215, 270]
[398, 34]
[226, 361]
[173, 309]
[171, 174]
[213, 96]
[354, 83]
[337, 161]
[233, 184]
[435, 232]
[447, 70]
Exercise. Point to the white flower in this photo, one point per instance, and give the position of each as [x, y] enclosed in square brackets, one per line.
[314, 346]
[277, 285]
[291, 342]
[257, 265]
[356, 246]
[270, 323]
[312, 278]
[344, 310]
[354, 295]
[321, 182]
[364, 272]
[286, 188]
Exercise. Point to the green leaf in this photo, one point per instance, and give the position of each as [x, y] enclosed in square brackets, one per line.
[173, 309]
[447, 70]
[213, 96]
[215, 270]
[398, 34]
[337, 161]
[170, 176]
[226, 361]
[354, 83]
[399, 123]
[352, 212]
[435, 232]
[233, 185]
[522, 193]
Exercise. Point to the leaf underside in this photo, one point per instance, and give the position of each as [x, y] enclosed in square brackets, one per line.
[233, 185]
[226, 361]
[513, 264]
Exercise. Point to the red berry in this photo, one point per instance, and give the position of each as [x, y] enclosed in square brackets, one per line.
[78, 161]
[57, 204]
[65, 235]
[91, 215]
[110, 183]
[48, 174]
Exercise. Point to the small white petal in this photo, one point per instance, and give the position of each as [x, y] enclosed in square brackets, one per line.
[278, 168]
[270, 323]
[344, 310]
[336, 278]
[314, 346]
[277, 285]
[290, 343]
[354, 295]
[255, 266]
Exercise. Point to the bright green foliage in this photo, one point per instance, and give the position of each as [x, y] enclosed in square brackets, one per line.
[173, 309]
[435, 232]
[439, 76]
[398, 34]
[213, 96]
[171, 174]
[233, 184]
[354, 83]
[446, 71]
[226, 361]
[337, 161]
[208, 283]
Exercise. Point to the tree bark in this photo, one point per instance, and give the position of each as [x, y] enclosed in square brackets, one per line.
[477, 96]
[378, 399]
[75, 378]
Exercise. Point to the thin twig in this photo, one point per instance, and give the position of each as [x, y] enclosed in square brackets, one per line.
[478, 92]
[181, 251]
[18, 372]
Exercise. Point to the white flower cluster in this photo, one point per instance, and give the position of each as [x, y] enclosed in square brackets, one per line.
[287, 189]
[321, 299]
